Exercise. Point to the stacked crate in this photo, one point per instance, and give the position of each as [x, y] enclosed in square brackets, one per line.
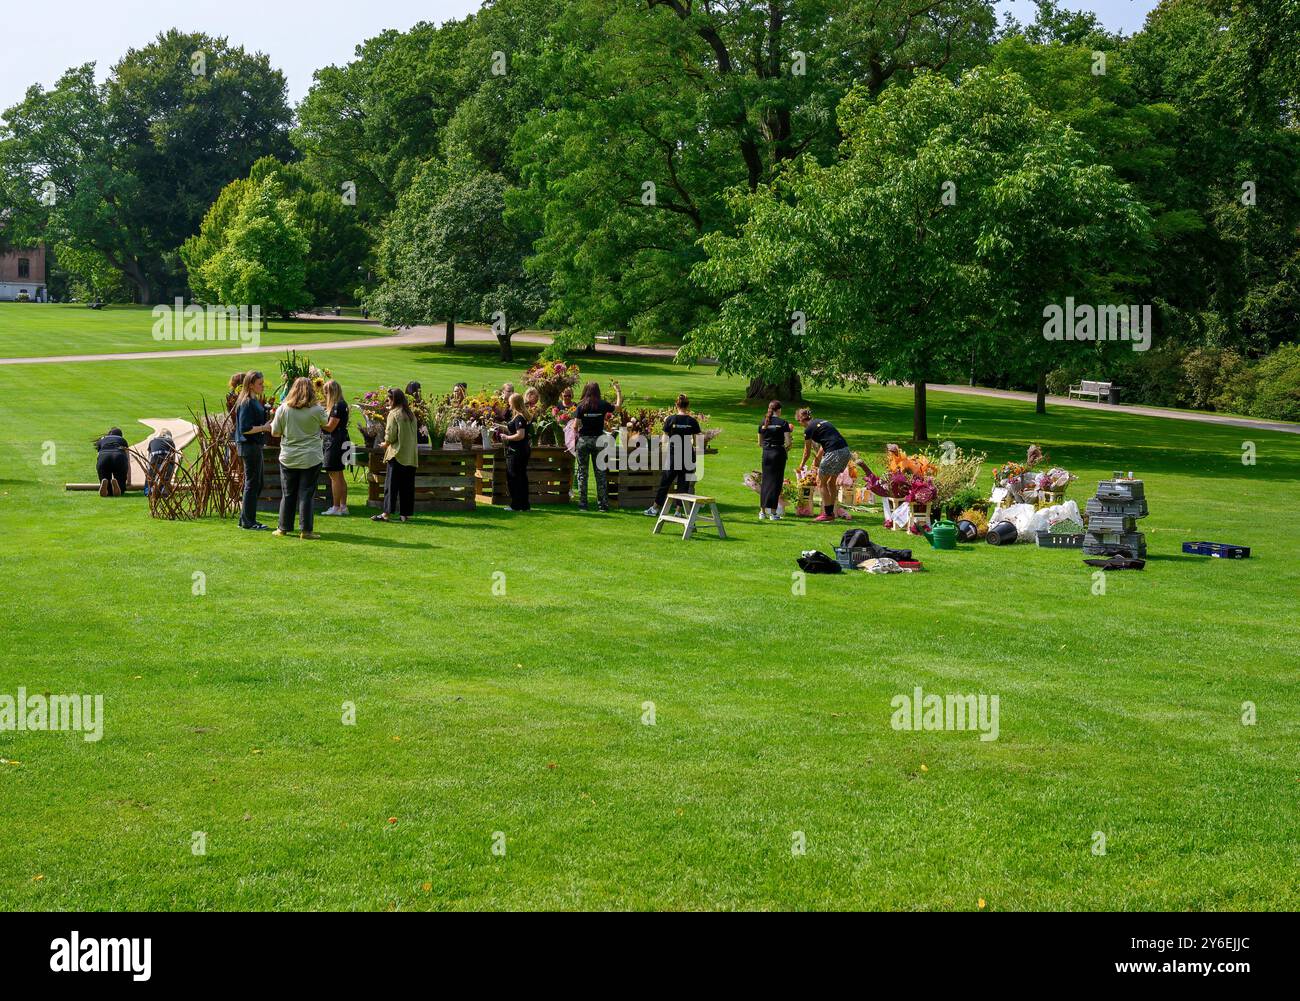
[1112, 518]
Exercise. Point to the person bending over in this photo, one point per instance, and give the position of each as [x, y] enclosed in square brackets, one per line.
[832, 457]
[112, 464]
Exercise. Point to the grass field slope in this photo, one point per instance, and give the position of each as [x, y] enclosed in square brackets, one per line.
[637, 722]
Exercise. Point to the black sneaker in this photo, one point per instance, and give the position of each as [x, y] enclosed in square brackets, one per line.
[256, 527]
[604, 509]
[583, 507]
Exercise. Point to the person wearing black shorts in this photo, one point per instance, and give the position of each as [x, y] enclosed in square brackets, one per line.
[678, 450]
[833, 457]
[774, 435]
[112, 465]
[338, 447]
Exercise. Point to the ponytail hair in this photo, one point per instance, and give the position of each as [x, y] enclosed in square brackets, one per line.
[773, 409]
[682, 402]
[803, 414]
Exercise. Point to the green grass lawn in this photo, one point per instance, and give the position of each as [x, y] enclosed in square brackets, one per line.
[522, 713]
[29, 330]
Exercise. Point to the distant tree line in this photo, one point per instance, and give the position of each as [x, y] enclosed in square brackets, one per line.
[810, 191]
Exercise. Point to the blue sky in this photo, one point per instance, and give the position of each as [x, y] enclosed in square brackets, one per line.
[298, 35]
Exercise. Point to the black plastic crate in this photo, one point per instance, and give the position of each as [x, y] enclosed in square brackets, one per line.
[850, 558]
[1219, 549]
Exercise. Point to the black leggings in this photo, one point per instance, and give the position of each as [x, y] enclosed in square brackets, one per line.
[773, 477]
[666, 480]
[399, 490]
[114, 466]
[517, 479]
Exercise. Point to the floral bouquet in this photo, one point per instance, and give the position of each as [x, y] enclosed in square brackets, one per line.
[1017, 478]
[374, 408]
[1054, 480]
[294, 366]
[550, 379]
[486, 409]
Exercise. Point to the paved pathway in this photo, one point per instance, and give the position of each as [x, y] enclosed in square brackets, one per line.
[419, 336]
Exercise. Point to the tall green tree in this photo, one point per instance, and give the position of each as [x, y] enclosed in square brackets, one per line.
[658, 109]
[957, 209]
[134, 164]
[263, 258]
[449, 251]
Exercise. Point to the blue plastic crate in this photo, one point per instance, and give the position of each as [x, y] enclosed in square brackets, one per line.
[1217, 549]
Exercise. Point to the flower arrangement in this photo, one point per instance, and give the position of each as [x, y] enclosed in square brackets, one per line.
[294, 366]
[485, 409]
[374, 409]
[789, 489]
[1024, 485]
[550, 379]
[1054, 480]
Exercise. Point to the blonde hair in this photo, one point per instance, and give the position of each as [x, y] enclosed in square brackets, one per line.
[517, 405]
[301, 394]
[333, 394]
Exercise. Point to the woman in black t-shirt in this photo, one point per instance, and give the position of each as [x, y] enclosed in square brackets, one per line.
[337, 444]
[833, 457]
[775, 436]
[678, 452]
[518, 452]
[111, 464]
[590, 415]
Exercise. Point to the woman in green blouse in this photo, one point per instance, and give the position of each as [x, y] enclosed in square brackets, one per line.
[399, 447]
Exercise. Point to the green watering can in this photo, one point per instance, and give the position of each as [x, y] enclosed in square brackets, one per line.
[943, 535]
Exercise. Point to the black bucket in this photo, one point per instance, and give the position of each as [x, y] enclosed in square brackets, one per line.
[1004, 533]
[966, 531]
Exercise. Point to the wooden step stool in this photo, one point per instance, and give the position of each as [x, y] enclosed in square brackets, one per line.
[691, 505]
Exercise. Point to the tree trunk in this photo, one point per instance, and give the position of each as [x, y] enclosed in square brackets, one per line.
[789, 389]
[919, 430]
[507, 352]
[1040, 405]
[451, 333]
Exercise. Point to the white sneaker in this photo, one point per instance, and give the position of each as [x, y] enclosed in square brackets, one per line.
[342, 512]
[331, 511]
[651, 511]
[762, 516]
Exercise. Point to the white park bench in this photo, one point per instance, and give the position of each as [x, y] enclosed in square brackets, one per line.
[1091, 391]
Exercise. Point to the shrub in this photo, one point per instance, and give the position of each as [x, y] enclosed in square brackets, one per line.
[1277, 385]
[1211, 374]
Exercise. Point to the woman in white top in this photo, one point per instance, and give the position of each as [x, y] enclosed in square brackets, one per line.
[297, 423]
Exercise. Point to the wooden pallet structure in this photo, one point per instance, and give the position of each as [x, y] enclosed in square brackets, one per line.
[445, 479]
[550, 474]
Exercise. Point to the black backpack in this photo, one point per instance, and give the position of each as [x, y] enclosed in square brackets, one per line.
[818, 562]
